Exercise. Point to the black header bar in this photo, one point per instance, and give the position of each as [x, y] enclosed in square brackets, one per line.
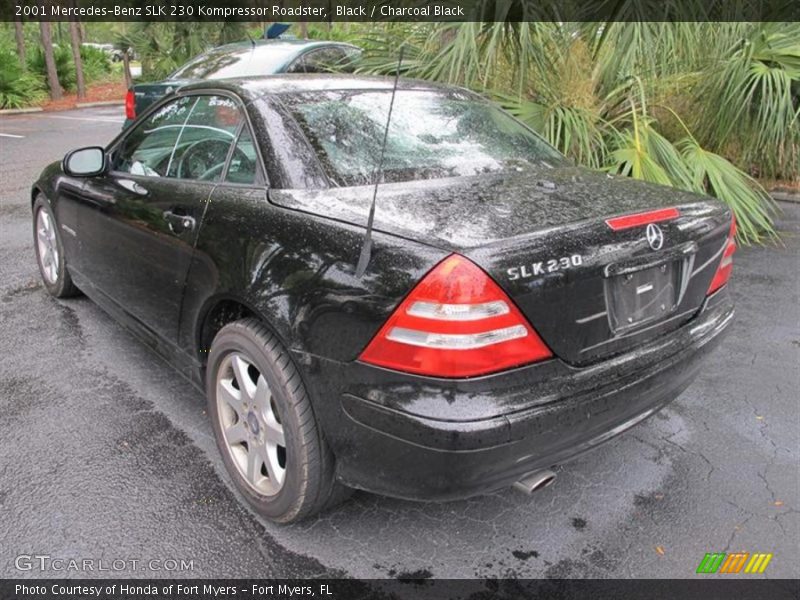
[400, 10]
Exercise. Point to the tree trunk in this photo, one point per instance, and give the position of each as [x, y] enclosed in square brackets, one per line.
[82, 31]
[19, 35]
[50, 61]
[75, 40]
[126, 68]
[304, 30]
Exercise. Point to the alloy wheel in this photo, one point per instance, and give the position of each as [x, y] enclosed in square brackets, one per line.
[251, 425]
[47, 245]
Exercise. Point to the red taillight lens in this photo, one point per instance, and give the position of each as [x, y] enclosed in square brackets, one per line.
[456, 322]
[726, 264]
[635, 220]
[130, 105]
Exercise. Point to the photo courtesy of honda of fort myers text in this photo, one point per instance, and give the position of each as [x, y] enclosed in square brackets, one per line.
[349, 300]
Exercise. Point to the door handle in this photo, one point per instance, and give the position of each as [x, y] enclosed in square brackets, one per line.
[179, 223]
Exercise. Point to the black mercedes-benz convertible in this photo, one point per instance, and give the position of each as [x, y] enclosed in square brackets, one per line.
[505, 311]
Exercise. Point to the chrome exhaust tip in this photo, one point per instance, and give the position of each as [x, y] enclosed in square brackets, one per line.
[533, 482]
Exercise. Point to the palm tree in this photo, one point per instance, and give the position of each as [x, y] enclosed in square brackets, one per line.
[75, 40]
[164, 46]
[49, 61]
[700, 106]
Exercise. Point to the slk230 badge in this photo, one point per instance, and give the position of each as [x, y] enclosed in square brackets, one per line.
[543, 267]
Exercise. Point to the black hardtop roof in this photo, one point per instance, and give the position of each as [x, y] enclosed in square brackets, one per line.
[255, 87]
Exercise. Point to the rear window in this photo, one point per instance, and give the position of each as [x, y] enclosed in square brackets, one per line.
[432, 135]
[246, 61]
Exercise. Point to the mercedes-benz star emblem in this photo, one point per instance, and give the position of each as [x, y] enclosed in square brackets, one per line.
[655, 237]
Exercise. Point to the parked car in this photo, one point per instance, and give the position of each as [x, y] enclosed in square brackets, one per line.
[115, 54]
[515, 310]
[246, 59]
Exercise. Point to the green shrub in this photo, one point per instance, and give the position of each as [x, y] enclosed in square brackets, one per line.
[17, 88]
[64, 66]
[96, 63]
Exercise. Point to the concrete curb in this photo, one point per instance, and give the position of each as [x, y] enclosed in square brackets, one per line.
[101, 103]
[36, 109]
[786, 197]
[20, 111]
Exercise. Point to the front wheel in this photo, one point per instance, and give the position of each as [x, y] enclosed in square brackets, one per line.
[50, 251]
[265, 427]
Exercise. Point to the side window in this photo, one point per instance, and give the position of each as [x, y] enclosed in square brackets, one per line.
[297, 66]
[324, 60]
[147, 149]
[351, 58]
[205, 139]
[243, 167]
[186, 139]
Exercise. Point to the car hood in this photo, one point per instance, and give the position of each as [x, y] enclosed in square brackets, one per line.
[460, 213]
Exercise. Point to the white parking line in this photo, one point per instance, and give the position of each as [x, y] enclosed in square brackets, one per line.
[11, 135]
[103, 119]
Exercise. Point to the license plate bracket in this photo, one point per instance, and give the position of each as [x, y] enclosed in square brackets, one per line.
[639, 296]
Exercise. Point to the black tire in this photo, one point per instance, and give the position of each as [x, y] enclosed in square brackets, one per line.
[61, 286]
[309, 485]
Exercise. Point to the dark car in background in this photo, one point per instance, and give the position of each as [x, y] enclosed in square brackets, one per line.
[246, 59]
[514, 312]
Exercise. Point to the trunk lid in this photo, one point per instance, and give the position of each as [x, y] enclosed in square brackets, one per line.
[590, 291]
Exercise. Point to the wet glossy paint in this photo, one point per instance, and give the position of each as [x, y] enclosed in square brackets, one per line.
[286, 253]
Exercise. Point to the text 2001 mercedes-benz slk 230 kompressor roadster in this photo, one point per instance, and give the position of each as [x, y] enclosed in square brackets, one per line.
[514, 310]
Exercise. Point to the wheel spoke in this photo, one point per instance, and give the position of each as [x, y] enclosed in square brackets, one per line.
[262, 394]
[254, 461]
[236, 433]
[231, 395]
[274, 470]
[273, 431]
[246, 384]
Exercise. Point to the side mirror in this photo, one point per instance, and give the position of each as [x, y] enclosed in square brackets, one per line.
[85, 162]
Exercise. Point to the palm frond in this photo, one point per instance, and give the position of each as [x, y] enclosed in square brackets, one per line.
[756, 105]
[752, 205]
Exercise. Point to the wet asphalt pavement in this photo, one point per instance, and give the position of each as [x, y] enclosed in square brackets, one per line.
[106, 453]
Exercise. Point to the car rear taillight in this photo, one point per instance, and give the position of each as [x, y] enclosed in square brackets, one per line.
[456, 322]
[637, 219]
[726, 264]
[130, 105]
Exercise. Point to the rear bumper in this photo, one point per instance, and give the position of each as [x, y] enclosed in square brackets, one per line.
[426, 439]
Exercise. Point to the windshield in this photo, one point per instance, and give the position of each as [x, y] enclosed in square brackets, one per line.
[246, 61]
[432, 135]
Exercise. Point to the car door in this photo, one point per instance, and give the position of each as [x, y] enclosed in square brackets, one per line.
[138, 223]
[225, 247]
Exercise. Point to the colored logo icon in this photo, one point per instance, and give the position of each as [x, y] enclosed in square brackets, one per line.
[736, 562]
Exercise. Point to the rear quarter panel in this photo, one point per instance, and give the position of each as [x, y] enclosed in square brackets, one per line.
[297, 272]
